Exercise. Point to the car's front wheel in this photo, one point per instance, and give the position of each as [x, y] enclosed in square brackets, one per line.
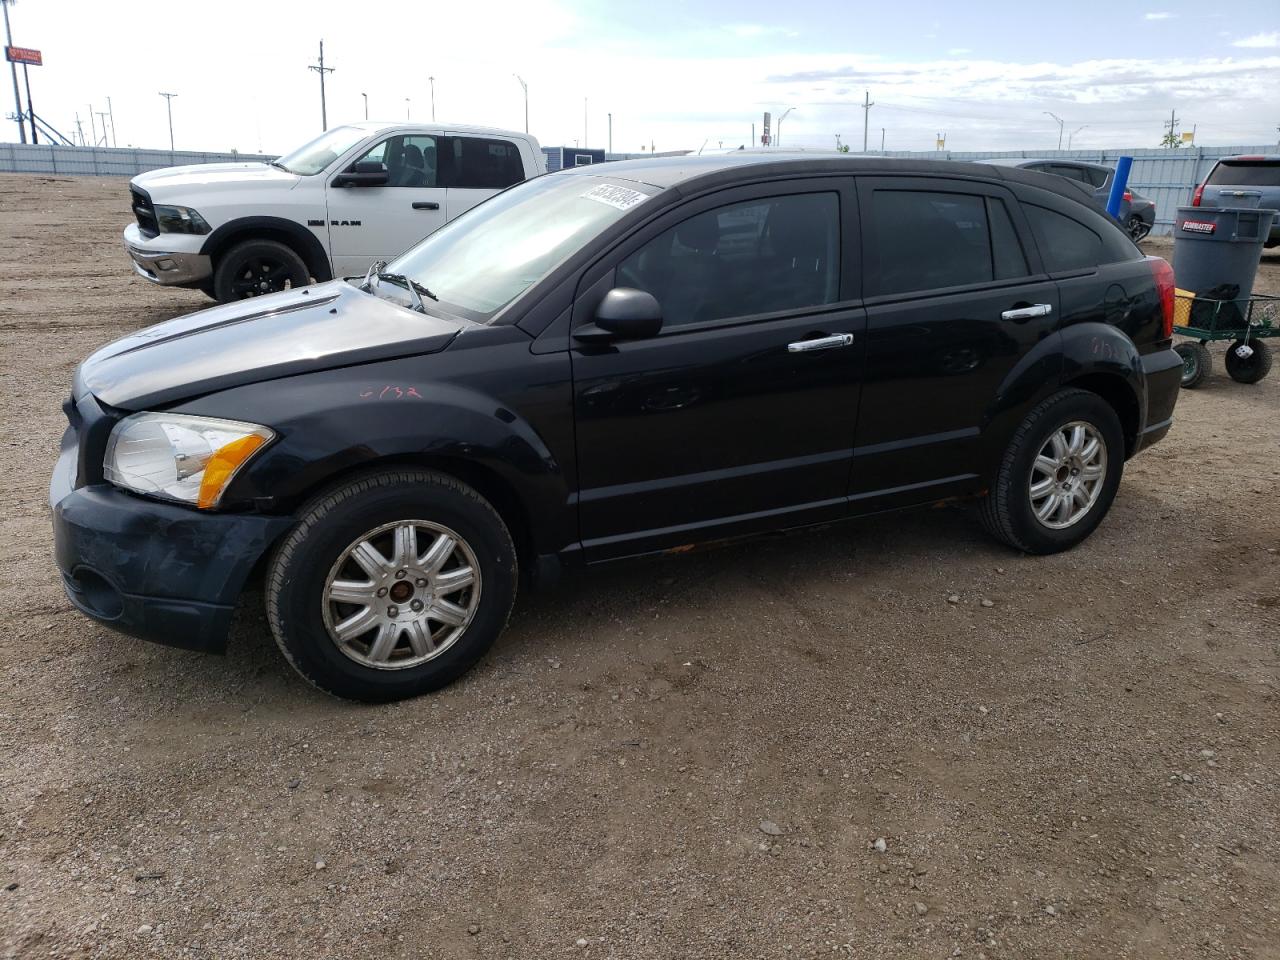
[1058, 476]
[391, 585]
[254, 268]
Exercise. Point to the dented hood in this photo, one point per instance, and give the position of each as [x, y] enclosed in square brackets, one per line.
[298, 331]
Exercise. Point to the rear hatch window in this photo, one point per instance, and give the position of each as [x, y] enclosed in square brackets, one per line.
[1246, 173]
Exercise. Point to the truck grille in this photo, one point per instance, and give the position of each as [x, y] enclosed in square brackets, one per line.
[145, 211]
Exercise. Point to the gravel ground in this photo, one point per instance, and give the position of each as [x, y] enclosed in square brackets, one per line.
[789, 748]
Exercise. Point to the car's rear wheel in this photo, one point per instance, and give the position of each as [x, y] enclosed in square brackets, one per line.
[1251, 368]
[1058, 476]
[253, 268]
[1196, 363]
[1137, 227]
[391, 585]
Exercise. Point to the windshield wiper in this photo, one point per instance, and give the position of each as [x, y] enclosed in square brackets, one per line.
[413, 286]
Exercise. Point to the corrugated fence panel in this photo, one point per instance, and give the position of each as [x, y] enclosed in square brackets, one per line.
[1167, 177]
[103, 161]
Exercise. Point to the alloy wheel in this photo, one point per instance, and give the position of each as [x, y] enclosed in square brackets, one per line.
[1068, 475]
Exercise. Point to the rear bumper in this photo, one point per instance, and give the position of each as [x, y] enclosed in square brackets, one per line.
[154, 260]
[1162, 373]
[157, 571]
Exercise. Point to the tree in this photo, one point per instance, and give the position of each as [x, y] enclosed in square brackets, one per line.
[1172, 140]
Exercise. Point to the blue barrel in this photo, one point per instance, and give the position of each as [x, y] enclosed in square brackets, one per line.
[1215, 247]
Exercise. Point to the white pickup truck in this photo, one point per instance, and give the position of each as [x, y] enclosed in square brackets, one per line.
[354, 195]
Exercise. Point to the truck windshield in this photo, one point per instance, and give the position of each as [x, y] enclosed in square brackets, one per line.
[480, 262]
[315, 156]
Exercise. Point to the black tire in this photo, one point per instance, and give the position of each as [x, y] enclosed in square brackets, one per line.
[207, 289]
[257, 267]
[329, 524]
[1138, 228]
[1006, 509]
[1249, 369]
[1197, 362]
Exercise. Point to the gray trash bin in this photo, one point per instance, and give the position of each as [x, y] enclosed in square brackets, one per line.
[1218, 245]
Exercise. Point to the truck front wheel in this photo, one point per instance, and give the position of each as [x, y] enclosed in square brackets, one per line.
[253, 268]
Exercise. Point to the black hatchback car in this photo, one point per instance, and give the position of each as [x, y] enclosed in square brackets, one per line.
[606, 362]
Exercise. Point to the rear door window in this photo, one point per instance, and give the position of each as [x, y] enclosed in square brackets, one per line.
[479, 163]
[1246, 173]
[924, 240]
[1065, 244]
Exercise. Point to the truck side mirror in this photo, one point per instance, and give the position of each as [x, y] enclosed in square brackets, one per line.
[366, 173]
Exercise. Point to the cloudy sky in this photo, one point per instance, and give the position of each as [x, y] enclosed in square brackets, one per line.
[674, 74]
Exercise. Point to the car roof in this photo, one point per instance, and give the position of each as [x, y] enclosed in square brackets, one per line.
[1024, 161]
[704, 171]
[1253, 158]
[373, 126]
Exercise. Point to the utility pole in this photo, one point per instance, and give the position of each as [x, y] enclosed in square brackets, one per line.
[1171, 138]
[866, 116]
[432, 81]
[610, 134]
[882, 139]
[366, 105]
[525, 87]
[584, 123]
[407, 104]
[322, 70]
[112, 115]
[93, 128]
[102, 119]
[80, 129]
[13, 68]
[1071, 136]
[168, 99]
[1060, 126]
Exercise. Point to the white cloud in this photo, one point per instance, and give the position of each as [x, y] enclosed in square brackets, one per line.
[1260, 41]
[958, 51]
[1159, 15]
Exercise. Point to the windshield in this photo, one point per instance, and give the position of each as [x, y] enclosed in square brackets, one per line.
[1246, 173]
[477, 264]
[315, 156]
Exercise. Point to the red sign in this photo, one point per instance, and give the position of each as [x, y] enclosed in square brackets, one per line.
[24, 55]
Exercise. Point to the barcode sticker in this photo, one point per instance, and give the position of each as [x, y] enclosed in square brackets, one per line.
[624, 198]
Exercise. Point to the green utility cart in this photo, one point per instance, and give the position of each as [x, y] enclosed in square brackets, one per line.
[1248, 323]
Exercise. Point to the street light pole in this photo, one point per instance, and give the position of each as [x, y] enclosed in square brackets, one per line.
[1060, 126]
[366, 105]
[1072, 134]
[610, 133]
[777, 140]
[168, 100]
[406, 108]
[525, 87]
[13, 68]
[110, 113]
[432, 80]
[866, 117]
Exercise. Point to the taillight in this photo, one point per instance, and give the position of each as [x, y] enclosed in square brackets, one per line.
[1128, 196]
[1163, 274]
[1197, 196]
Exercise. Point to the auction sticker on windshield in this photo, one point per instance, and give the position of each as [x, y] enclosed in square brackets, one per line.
[624, 198]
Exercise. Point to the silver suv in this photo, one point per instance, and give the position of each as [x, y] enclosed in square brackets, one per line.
[1235, 181]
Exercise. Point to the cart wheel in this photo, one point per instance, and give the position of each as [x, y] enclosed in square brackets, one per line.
[1249, 369]
[1196, 363]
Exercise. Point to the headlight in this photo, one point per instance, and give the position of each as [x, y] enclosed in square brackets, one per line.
[178, 457]
[180, 220]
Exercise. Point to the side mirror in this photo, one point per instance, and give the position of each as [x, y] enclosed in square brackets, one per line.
[366, 173]
[624, 313]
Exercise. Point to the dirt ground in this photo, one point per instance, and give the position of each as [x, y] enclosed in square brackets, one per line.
[691, 757]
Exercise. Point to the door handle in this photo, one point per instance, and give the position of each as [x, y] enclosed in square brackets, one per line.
[1026, 313]
[822, 343]
[425, 205]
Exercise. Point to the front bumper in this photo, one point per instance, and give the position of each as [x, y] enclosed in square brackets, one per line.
[155, 260]
[157, 571]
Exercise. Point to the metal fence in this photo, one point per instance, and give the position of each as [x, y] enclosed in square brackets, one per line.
[1167, 177]
[103, 161]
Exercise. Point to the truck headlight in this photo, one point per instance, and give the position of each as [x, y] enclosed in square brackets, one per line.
[178, 457]
[180, 220]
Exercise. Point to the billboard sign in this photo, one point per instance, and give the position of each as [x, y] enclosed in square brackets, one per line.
[23, 55]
